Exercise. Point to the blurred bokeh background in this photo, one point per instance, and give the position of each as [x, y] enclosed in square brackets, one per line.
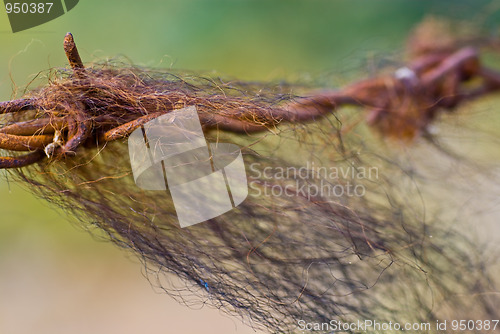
[57, 278]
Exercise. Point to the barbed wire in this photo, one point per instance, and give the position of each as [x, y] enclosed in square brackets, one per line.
[103, 105]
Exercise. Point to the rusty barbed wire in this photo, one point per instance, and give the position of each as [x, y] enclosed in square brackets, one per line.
[103, 105]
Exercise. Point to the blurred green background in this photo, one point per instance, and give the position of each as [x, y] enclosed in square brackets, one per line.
[55, 278]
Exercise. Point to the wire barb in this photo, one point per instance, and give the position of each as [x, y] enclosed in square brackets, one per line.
[73, 56]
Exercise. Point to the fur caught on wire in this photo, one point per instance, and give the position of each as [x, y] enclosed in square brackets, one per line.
[106, 104]
[273, 260]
